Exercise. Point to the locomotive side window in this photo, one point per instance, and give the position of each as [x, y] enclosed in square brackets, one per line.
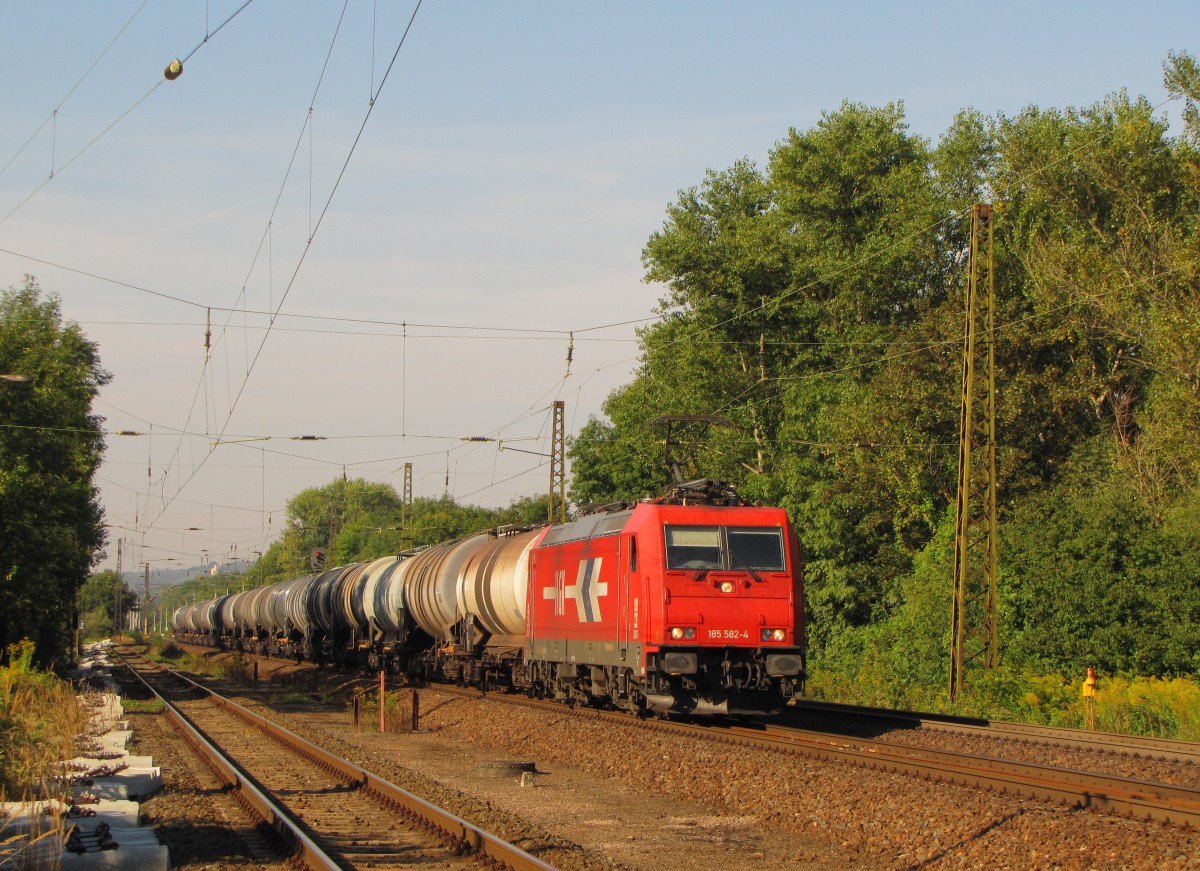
[693, 547]
[756, 548]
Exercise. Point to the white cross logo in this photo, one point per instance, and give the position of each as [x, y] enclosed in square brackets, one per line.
[586, 591]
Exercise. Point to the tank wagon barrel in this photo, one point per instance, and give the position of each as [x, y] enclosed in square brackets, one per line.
[383, 613]
[347, 603]
[431, 581]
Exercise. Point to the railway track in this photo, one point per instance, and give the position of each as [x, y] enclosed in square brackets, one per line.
[1074, 739]
[332, 813]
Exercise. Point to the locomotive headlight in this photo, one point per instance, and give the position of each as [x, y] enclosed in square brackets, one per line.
[680, 632]
[676, 633]
[779, 635]
[726, 586]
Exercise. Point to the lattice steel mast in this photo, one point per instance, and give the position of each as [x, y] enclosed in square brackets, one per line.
[557, 507]
[975, 634]
[406, 510]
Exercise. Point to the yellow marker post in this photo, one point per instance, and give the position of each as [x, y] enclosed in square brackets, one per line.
[1089, 699]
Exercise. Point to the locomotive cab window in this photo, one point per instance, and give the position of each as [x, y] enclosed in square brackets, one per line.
[693, 547]
[731, 548]
[756, 548]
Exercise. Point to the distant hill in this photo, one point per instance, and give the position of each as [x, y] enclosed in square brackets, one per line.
[165, 577]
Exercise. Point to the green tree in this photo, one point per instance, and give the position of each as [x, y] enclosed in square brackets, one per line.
[99, 598]
[345, 517]
[1094, 579]
[51, 530]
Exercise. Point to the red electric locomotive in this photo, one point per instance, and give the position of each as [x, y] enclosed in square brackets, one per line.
[668, 606]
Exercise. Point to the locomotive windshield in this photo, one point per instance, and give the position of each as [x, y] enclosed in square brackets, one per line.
[731, 548]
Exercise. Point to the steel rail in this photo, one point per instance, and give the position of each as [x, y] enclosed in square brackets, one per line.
[462, 834]
[1111, 742]
[255, 800]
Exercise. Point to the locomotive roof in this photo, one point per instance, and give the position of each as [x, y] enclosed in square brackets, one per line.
[591, 526]
[611, 523]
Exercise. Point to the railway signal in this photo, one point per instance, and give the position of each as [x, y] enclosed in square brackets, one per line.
[316, 559]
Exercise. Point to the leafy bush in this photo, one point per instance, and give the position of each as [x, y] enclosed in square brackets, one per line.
[195, 663]
[236, 669]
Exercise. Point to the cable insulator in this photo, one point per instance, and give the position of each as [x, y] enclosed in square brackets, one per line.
[174, 70]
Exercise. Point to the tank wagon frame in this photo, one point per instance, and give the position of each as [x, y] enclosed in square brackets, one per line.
[691, 603]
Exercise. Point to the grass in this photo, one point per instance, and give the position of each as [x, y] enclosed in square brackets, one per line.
[142, 706]
[1127, 704]
[397, 710]
[40, 718]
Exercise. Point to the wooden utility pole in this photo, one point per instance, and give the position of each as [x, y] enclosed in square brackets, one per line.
[975, 634]
[557, 508]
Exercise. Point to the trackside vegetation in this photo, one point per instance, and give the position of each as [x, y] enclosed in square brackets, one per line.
[40, 718]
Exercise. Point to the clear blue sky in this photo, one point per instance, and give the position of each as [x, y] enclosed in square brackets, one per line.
[517, 158]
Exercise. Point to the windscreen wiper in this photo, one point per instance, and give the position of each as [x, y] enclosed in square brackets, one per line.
[753, 573]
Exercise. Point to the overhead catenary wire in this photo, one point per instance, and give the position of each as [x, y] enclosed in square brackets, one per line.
[53, 116]
[57, 170]
[549, 332]
[303, 256]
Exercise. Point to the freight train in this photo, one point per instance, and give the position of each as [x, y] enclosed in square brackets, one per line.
[688, 603]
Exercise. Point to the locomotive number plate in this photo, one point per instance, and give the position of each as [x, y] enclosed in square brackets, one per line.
[733, 634]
